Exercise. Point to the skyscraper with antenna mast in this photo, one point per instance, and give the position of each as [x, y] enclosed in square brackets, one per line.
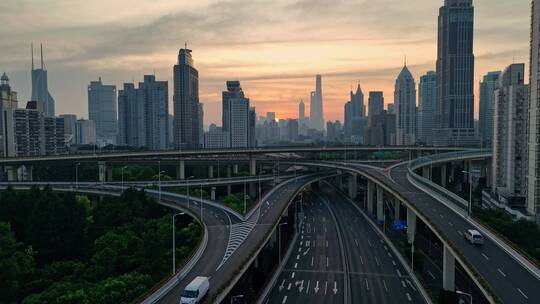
[40, 87]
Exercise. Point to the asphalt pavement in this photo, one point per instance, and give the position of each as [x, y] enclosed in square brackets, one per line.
[315, 271]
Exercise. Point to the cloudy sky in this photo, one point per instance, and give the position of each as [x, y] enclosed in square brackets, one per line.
[274, 47]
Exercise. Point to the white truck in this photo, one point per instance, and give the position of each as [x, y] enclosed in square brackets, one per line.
[195, 290]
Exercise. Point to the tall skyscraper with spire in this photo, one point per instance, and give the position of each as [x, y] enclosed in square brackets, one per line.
[354, 110]
[316, 106]
[186, 102]
[303, 121]
[455, 74]
[405, 107]
[40, 87]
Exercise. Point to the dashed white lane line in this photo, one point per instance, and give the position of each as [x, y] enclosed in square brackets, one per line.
[430, 274]
[289, 287]
[384, 284]
[485, 256]
[292, 275]
[521, 292]
[308, 283]
[369, 243]
[284, 300]
[312, 259]
[327, 262]
[361, 260]
[393, 262]
[501, 272]
[295, 265]
[408, 297]
[356, 241]
[325, 287]
[402, 284]
[367, 284]
[398, 272]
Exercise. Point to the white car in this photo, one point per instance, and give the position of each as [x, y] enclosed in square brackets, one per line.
[195, 291]
[474, 237]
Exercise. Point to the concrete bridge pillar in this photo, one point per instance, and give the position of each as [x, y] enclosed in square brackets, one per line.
[397, 209]
[11, 172]
[339, 181]
[213, 193]
[411, 225]
[353, 186]
[181, 170]
[452, 175]
[443, 175]
[426, 172]
[252, 166]
[210, 171]
[109, 174]
[449, 272]
[235, 169]
[380, 203]
[370, 190]
[30, 173]
[102, 171]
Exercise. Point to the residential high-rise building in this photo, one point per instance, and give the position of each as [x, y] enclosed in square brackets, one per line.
[455, 74]
[533, 174]
[70, 127]
[509, 165]
[316, 106]
[102, 111]
[40, 88]
[334, 131]
[85, 132]
[488, 85]
[237, 120]
[252, 125]
[131, 117]
[186, 102]
[427, 95]
[382, 131]
[405, 108]
[376, 105]
[143, 114]
[28, 132]
[8, 100]
[391, 108]
[156, 107]
[216, 138]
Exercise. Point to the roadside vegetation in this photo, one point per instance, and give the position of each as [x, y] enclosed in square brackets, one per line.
[61, 248]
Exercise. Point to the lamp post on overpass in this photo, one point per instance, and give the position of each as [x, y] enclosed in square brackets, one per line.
[174, 242]
[470, 192]
[159, 185]
[459, 292]
[122, 174]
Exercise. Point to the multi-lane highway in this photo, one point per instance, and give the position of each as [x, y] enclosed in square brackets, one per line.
[508, 279]
[340, 258]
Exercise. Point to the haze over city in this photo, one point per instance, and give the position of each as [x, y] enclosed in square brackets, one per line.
[273, 47]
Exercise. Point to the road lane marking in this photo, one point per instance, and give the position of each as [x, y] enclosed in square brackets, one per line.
[501, 272]
[312, 259]
[367, 284]
[295, 265]
[361, 260]
[335, 290]
[356, 241]
[325, 287]
[521, 292]
[430, 274]
[282, 285]
[394, 262]
[298, 257]
[307, 289]
[284, 300]
[377, 261]
[289, 287]
[292, 275]
[485, 256]
[306, 252]
[327, 262]
[410, 284]
[403, 284]
[385, 287]
[316, 289]
[369, 243]
[408, 297]
[398, 272]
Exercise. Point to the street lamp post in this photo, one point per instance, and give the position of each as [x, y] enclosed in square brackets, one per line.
[122, 174]
[77, 175]
[174, 242]
[279, 240]
[187, 181]
[470, 191]
[236, 297]
[159, 185]
[465, 294]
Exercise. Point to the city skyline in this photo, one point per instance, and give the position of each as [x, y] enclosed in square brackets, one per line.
[253, 60]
